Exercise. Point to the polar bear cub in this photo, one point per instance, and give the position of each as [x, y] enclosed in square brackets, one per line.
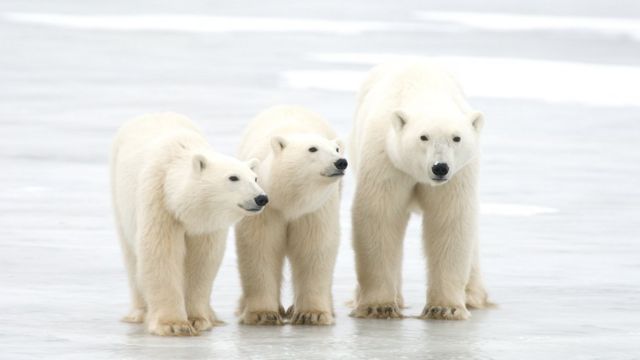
[415, 145]
[301, 164]
[174, 200]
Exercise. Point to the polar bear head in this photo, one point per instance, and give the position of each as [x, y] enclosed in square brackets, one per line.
[308, 157]
[432, 149]
[301, 171]
[210, 191]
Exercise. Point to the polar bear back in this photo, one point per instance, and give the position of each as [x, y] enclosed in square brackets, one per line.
[143, 140]
[280, 120]
[150, 128]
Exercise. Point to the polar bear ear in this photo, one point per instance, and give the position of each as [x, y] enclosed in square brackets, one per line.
[477, 120]
[199, 163]
[278, 143]
[253, 163]
[399, 120]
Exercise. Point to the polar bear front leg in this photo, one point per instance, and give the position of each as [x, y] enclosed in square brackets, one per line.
[161, 249]
[312, 247]
[260, 246]
[204, 255]
[449, 231]
[380, 214]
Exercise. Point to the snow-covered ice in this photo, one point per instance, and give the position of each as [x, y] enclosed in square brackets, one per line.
[614, 27]
[560, 217]
[201, 23]
[577, 82]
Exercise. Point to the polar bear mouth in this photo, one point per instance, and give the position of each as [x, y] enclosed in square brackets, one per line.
[334, 174]
[253, 209]
[440, 180]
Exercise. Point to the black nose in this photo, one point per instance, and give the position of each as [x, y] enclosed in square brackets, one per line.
[261, 200]
[440, 169]
[341, 164]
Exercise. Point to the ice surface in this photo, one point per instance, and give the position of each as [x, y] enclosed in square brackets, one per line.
[561, 206]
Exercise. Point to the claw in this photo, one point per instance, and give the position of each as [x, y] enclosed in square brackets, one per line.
[262, 318]
[382, 311]
[444, 313]
[312, 318]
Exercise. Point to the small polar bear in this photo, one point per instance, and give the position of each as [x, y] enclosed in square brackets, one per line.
[415, 146]
[174, 200]
[301, 164]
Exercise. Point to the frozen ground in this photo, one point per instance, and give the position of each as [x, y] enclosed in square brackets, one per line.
[558, 81]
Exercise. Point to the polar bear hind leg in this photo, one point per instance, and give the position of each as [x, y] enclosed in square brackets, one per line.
[138, 307]
[476, 293]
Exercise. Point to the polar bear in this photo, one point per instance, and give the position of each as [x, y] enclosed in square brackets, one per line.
[174, 200]
[301, 164]
[415, 145]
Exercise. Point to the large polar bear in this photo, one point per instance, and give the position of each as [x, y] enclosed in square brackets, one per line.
[415, 145]
[174, 200]
[301, 167]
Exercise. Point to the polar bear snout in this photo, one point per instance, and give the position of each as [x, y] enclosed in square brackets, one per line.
[337, 169]
[341, 164]
[256, 204]
[440, 170]
[261, 200]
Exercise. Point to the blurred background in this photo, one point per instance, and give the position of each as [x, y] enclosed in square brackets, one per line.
[558, 82]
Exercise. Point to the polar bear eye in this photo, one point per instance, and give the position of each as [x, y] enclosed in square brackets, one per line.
[456, 138]
[313, 149]
[256, 179]
[337, 150]
[233, 178]
[424, 138]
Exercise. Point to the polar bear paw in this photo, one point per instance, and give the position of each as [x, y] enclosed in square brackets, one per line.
[136, 316]
[309, 317]
[445, 313]
[262, 318]
[378, 311]
[172, 328]
[204, 323]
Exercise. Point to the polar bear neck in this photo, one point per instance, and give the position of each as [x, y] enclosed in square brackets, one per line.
[301, 201]
[293, 196]
[393, 151]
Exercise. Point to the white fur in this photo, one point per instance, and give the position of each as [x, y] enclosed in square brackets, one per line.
[399, 103]
[173, 204]
[301, 221]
